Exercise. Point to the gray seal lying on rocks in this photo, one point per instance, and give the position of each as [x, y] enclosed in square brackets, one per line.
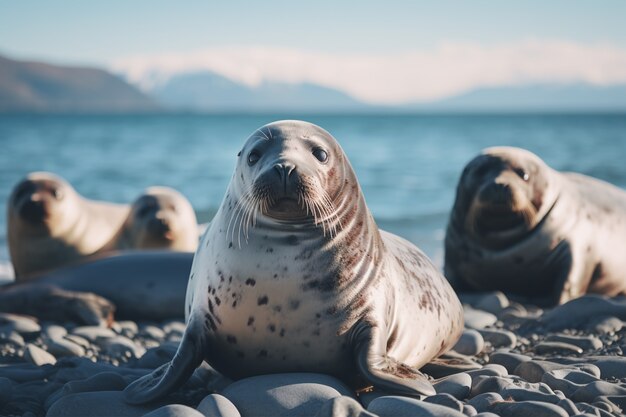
[521, 227]
[293, 275]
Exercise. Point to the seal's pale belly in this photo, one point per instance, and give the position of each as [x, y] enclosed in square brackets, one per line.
[267, 316]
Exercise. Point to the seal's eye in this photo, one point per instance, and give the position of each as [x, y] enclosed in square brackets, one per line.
[320, 154]
[253, 157]
[57, 193]
[522, 174]
[23, 189]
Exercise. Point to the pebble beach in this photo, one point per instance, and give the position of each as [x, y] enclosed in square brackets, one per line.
[512, 360]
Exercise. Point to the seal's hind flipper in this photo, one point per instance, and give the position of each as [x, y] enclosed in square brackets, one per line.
[172, 375]
[382, 371]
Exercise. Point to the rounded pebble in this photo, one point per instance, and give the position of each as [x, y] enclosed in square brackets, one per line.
[396, 406]
[271, 395]
[174, 410]
[457, 385]
[470, 343]
[97, 404]
[216, 405]
[342, 407]
[38, 356]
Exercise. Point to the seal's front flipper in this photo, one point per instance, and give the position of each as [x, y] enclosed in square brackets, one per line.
[383, 371]
[172, 375]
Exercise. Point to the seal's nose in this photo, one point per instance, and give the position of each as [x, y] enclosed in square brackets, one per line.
[497, 192]
[159, 225]
[33, 210]
[284, 170]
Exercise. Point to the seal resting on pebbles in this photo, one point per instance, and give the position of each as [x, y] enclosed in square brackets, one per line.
[50, 225]
[521, 227]
[160, 218]
[293, 275]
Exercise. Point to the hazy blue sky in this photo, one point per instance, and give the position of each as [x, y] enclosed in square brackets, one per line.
[417, 50]
[100, 31]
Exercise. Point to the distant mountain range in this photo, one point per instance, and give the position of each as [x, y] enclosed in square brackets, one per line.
[533, 98]
[40, 87]
[207, 91]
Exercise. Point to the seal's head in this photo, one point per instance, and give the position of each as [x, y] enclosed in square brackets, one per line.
[291, 172]
[43, 203]
[502, 195]
[162, 218]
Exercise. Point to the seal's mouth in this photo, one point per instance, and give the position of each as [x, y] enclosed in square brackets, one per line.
[493, 219]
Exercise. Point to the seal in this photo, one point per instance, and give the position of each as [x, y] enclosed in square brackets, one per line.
[293, 275]
[89, 292]
[50, 225]
[160, 218]
[521, 227]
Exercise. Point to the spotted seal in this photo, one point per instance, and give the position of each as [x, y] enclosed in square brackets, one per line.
[50, 225]
[294, 275]
[160, 218]
[521, 227]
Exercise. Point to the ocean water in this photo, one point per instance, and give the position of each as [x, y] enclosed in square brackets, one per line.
[408, 165]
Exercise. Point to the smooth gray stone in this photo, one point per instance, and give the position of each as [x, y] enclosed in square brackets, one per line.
[105, 381]
[74, 368]
[174, 410]
[586, 343]
[64, 347]
[569, 406]
[152, 332]
[508, 359]
[25, 326]
[445, 399]
[216, 405]
[618, 400]
[129, 327]
[273, 395]
[486, 414]
[521, 394]
[470, 343]
[605, 325]
[468, 410]
[482, 402]
[611, 366]
[157, 356]
[493, 302]
[80, 341]
[578, 312]
[365, 398]
[593, 410]
[119, 346]
[478, 319]
[491, 369]
[533, 371]
[457, 385]
[485, 384]
[591, 391]
[499, 338]
[97, 404]
[574, 375]
[8, 335]
[396, 406]
[38, 356]
[546, 348]
[557, 383]
[93, 333]
[528, 408]
[54, 331]
[25, 372]
[342, 407]
[6, 389]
